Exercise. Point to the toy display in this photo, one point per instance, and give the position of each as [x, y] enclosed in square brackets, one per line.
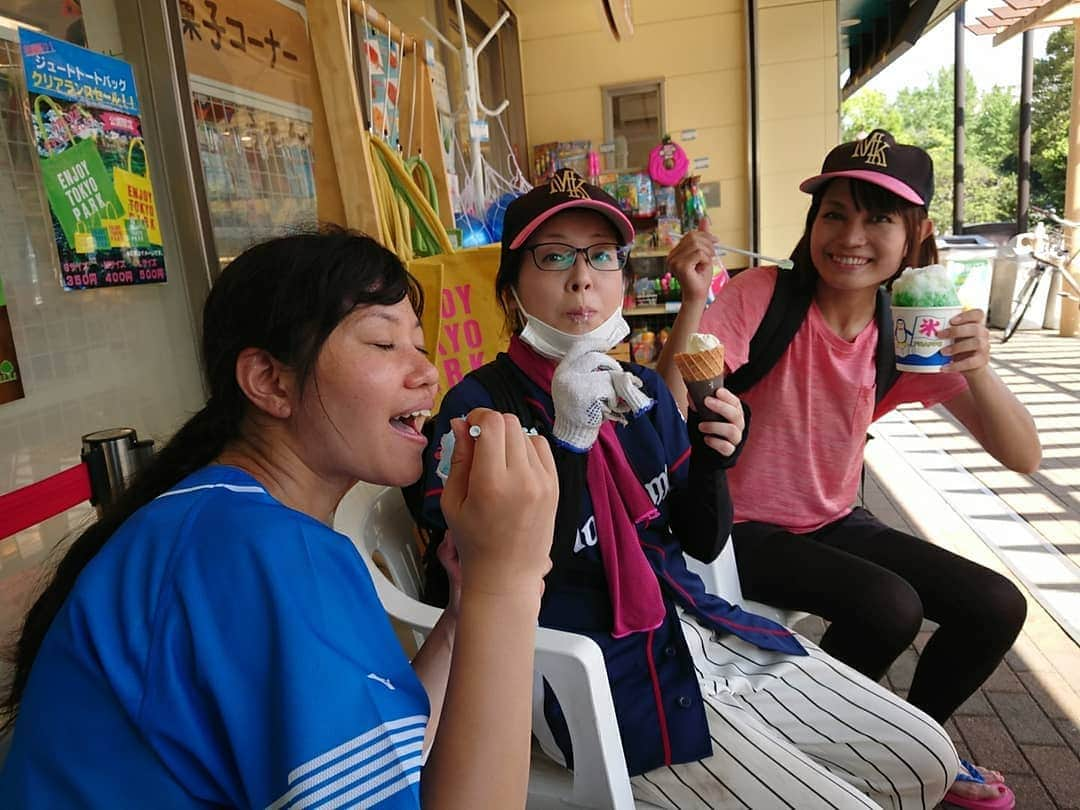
[548, 158]
[496, 212]
[473, 231]
[668, 163]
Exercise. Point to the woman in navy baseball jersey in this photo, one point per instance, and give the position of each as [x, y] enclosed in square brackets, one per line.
[212, 642]
[716, 707]
[799, 540]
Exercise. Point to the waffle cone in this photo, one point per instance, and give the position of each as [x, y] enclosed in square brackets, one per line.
[695, 366]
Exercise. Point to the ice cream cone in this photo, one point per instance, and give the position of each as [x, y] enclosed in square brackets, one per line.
[703, 373]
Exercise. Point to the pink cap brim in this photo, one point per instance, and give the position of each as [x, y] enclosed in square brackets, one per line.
[897, 187]
[617, 217]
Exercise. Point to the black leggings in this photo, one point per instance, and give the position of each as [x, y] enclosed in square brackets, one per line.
[875, 585]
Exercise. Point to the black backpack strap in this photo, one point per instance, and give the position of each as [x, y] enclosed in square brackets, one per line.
[885, 371]
[787, 310]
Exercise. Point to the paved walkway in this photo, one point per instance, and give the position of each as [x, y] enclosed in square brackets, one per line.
[928, 477]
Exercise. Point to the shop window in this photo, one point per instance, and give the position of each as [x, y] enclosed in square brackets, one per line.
[87, 360]
[258, 169]
[633, 121]
[251, 86]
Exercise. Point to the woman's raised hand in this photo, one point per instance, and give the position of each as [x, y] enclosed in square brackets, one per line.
[499, 502]
[724, 437]
[969, 352]
[691, 262]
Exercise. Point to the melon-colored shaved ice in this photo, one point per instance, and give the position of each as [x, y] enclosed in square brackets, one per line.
[928, 286]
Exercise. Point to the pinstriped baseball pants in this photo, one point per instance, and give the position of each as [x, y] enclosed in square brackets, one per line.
[801, 733]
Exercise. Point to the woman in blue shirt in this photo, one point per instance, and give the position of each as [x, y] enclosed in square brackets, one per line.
[211, 641]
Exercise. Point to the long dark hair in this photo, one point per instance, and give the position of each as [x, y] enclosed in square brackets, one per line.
[876, 200]
[286, 296]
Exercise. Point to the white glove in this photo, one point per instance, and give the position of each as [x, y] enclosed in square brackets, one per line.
[587, 388]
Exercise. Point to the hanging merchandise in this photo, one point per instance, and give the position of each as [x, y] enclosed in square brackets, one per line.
[668, 163]
[405, 192]
[691, 203]
[496, 213]
[463, 323]
[402, 205]
[473, 231]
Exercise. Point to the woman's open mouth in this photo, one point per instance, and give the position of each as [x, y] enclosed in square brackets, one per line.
[411, 424]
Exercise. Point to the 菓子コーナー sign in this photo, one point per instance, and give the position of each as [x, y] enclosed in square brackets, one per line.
[88, 135]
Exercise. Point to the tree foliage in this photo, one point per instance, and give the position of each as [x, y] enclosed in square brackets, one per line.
[1050, 104]
[924, 116]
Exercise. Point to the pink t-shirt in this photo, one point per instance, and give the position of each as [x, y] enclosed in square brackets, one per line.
[800, 467]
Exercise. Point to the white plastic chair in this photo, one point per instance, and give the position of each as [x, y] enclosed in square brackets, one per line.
[380, 526]
[378, 523]
[721, 577]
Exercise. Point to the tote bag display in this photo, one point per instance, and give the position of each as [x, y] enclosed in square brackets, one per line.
[136, 194]
[463, 324]
[76, 183]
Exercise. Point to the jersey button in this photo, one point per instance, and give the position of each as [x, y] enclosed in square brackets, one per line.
[684, 702]
[670, 651]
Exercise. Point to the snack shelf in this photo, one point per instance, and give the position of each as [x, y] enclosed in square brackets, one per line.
[666, 308]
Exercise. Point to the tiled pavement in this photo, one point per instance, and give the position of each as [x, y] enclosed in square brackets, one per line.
[1025, 720]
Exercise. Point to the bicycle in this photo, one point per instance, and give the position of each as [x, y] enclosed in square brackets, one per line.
[1051, 254]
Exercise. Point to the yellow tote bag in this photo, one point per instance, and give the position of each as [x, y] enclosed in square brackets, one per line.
[116, 227]
[83, 239]
[136, 193]
[463, 325]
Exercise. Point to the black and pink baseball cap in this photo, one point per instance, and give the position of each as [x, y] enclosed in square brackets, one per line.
[565, 191]
[907, 171]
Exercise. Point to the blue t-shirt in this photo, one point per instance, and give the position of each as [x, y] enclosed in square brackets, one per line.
[221, 649]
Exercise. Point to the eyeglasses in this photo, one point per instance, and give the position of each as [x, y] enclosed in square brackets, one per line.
[555, 256]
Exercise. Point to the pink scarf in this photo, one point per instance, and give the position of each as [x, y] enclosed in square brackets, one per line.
[619, 504]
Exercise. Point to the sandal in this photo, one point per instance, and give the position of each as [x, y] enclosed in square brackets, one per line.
[1005, 800]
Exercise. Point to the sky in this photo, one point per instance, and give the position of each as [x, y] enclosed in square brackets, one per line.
[989, 65]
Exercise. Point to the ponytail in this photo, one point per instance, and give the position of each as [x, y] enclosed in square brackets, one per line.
[196, 444]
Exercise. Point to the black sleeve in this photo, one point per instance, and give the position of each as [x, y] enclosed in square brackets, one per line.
[702, 513]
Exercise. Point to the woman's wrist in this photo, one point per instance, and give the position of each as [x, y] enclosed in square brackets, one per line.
[694, 302]
[520, 601]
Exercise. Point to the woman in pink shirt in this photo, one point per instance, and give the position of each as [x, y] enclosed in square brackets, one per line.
[799, 542]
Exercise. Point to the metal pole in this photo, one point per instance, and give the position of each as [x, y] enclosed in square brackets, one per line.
[1023, 184]
[958, 123]
[113, 457]
[752, 101]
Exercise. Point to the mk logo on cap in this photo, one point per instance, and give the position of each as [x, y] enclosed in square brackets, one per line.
[872, 149]
[568, 182]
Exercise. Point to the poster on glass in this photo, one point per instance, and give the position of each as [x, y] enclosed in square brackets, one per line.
[85, 116]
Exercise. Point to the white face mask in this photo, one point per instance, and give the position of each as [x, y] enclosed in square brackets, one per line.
[554, 343]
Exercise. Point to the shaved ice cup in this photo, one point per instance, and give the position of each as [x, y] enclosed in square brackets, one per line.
[915, 330]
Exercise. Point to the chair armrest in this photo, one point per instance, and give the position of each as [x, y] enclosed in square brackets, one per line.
[574, 667]
[416, 614]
